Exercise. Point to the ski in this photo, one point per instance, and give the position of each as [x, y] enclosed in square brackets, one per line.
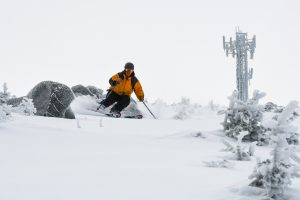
[139, 116]
[126, 116]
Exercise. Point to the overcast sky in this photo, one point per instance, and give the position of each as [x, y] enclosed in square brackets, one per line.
[176, 46]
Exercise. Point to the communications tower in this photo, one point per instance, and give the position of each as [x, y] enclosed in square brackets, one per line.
[239, 48]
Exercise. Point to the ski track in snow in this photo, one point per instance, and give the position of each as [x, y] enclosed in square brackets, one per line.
[126, 159]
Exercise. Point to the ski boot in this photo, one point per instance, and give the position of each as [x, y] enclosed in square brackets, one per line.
[115, 113]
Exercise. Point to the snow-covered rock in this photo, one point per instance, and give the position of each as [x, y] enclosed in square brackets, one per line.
[52, 99]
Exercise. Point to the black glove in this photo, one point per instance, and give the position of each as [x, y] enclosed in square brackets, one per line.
[141, 99]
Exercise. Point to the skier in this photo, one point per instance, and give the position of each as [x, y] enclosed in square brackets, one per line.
[122, 86]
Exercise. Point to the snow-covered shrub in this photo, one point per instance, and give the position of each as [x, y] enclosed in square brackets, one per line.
[240, 152]
[183, 109]
[275, 110]
[5, 110]
[270, 122]
[275, 174]
[272, 107]
[187, 110]
[245, 116]
[198, 134]
[25, 107]
[219, 164]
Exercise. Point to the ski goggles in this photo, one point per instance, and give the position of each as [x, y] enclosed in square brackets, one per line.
[128, 70]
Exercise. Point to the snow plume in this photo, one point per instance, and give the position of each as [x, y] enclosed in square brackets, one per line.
[245, 116]
[84, 105]
[88, 105]
[275, 174]
[181, 110]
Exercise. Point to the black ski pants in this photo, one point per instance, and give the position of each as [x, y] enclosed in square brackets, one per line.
[112, 97]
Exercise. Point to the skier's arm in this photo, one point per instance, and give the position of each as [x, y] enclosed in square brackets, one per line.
[114, 80]
[138, 90]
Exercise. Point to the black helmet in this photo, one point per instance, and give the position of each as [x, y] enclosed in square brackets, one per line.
[129, 65]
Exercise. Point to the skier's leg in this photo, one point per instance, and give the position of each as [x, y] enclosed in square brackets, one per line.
[101, 102]
[108, 93]
[122, 103]
[110, 99]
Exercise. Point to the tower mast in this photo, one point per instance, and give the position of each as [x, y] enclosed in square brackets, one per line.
[239, 48]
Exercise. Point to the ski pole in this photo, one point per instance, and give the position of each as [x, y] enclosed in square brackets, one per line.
[149, 110]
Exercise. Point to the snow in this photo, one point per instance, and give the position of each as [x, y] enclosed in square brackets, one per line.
[124, 159]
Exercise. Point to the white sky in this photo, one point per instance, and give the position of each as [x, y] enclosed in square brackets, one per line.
[176, 46]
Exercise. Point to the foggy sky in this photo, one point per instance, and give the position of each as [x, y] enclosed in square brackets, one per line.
[176, 46]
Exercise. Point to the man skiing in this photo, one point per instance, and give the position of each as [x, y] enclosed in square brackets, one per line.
[122, 86]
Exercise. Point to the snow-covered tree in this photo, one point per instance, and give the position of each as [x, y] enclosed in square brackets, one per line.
[182, 109]
[5, 110]
[185, 109]
[272, 107]
[26, 107]
[275, 174]
[4, 95]
[212, 106]
[271, 121]
[245, 116]
[240, 152]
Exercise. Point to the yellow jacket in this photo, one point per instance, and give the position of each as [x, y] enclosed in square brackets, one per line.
[127, 85]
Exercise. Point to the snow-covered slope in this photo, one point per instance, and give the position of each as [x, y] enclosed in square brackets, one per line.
[95, 157]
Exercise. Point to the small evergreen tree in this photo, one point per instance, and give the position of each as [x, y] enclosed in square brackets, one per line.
[240, 153]
[212, 106]
[275, 174]
[4, 95]
[5, 110]
[245, 116]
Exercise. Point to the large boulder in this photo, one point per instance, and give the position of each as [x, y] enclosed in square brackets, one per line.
[52, 99]
[96, 91]
[80, 90]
